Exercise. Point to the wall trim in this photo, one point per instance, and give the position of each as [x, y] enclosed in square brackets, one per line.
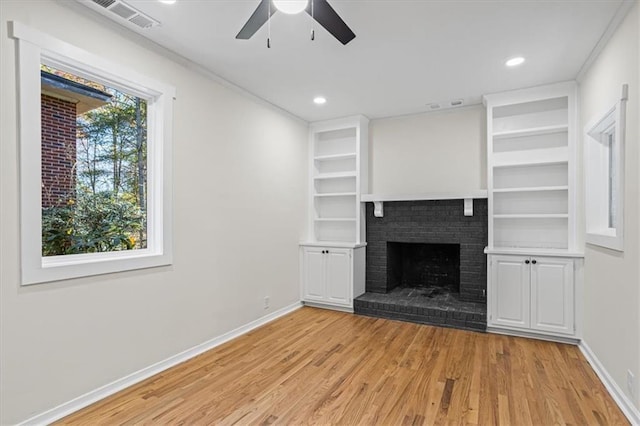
[613, 25]
[625, 404]
[109, 389]
[533, 334]
[328, 306]
[176, 57]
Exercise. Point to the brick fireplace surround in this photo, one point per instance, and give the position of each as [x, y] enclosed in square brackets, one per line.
[428, 222]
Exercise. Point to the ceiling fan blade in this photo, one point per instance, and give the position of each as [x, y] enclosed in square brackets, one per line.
[257, 20]
[331, 21]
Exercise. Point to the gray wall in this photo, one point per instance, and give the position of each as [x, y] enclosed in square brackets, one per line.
[240, 190]
[431, 152]
[612, 279]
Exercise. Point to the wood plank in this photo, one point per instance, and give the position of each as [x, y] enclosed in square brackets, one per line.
[323, 367]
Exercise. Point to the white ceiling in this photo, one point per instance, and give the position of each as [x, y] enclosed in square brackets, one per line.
[406, 54]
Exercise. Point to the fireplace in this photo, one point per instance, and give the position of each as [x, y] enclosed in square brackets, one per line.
[425, 263]
[434, 268]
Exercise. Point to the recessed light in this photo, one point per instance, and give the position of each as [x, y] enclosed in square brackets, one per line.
[167, 1]
[319, 100]
[291, 7]
[513, 62]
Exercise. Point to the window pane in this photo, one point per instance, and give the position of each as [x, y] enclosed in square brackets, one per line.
[94, 166]
[610, 141]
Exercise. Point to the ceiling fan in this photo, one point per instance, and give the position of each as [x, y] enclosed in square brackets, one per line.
[320, 10]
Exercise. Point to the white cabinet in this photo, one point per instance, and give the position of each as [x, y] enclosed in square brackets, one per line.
[531, 185]
[509, 292]
[332, 260]
[532, 293]
[314, 274]
[330, 277]
[552, 295]
[338, 276]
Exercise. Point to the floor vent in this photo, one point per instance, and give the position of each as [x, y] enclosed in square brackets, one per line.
[121, 12]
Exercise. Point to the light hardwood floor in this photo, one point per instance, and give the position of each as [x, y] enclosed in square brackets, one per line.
[323, 367]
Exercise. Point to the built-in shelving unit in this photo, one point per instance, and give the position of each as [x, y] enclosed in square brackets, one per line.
[332, 259]
[531, 153]
[533, 262]
[338, 177]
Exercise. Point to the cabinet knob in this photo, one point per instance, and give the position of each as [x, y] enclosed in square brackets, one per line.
[534, 261]
[526, 261]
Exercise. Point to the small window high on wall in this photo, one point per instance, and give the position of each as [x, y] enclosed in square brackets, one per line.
[95, 169]
[604, 176]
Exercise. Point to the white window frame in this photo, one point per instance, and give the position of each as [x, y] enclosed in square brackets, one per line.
[598, 186]
[34, 48]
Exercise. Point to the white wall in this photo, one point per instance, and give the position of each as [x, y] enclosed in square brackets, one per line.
[612, 279]
[240, 191]
[430, 152]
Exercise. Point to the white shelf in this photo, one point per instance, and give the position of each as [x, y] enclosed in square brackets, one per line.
[345, 156]
[424, 197]
[332, 244]
[533, 189]
[337, 165]
[533, 251]
[532, 216]
[336, 194]
[531, 157]
[532, 131]
[335, 175]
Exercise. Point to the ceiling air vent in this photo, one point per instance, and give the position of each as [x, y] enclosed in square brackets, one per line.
[121, 12]
[104, 3]
[142, 21]
[446, 104]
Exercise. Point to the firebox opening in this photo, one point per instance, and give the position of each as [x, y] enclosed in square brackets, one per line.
[434, 269]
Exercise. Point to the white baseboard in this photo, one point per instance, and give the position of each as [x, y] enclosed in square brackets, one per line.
[620, 398]
[102, 392]
[328, 306]
[533, 335]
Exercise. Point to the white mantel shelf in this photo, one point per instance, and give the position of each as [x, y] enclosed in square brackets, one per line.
[482, 193]
[467, 196]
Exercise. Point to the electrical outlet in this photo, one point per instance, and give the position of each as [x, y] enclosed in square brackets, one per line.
[266, 302]
[631, 383]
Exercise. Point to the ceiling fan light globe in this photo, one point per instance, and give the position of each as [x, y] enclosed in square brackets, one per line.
[291, 7]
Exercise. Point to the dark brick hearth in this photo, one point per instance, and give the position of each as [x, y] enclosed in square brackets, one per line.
[407, 304]
[435, 223]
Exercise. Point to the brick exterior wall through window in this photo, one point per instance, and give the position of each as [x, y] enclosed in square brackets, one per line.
[58, 150]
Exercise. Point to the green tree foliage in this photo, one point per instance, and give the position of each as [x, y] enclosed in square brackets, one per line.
[94, 223]
[107, 211]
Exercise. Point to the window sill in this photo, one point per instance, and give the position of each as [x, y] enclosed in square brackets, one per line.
[606, 239]
[57, 268]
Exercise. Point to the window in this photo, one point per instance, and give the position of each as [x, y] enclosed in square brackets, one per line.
[604, 173]
[95, 145]
[93, 167]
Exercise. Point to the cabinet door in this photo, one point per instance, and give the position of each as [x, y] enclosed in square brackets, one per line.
[509, 289]
[314, 273]
[552, 297]
[339, 276]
